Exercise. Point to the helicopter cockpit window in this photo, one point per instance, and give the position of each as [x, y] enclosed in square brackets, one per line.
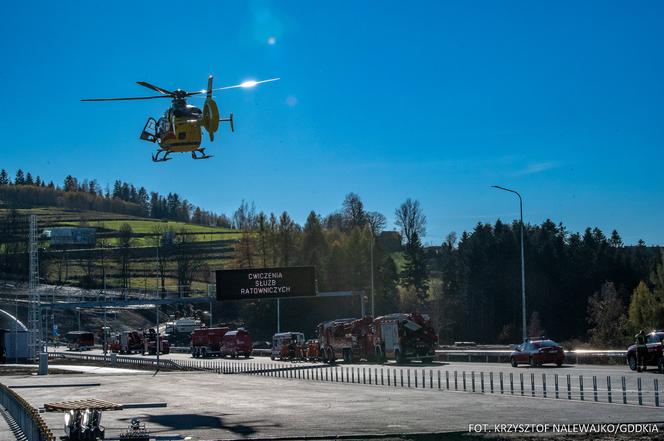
[164, 125]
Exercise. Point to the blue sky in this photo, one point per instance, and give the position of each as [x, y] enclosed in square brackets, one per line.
[437, 101]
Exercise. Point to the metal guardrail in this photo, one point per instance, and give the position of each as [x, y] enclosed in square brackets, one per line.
[503, 355]
[115, 360]
[559, 387]
[207, 365]
[27, 417]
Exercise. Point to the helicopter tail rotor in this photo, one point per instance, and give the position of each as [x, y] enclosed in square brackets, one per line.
[210, 112]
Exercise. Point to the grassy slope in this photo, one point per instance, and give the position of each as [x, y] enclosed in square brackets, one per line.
[142, 268]
[52, 217]
[146, 226]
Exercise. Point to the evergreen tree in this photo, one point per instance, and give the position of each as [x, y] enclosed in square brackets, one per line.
[29, 180]
[415, 273]
[314, 246]
[411, 220]
[287, 244]
[117, 189]
[273, 229]
[4, 177]
[20, 177]
[124, 192]
[387, 295]
[616, 240]
[93, 187]
[70, 183]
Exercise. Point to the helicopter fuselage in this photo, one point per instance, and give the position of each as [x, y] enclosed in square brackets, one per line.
[179, 130]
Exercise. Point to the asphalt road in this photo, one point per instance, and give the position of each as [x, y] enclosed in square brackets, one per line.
[212, 406]
[584, 380]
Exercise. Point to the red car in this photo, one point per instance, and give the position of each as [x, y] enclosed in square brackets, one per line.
[536, 352]
[654, 357]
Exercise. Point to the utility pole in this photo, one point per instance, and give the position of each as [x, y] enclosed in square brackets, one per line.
[34, 305]
[523, 271]
[278, 317]
[158, 343]
[373, 313]
[105, 325]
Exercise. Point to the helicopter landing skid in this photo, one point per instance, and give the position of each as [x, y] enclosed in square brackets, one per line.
[202, 152]
[163, 158]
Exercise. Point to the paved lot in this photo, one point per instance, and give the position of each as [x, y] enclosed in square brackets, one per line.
[210, 406]
[578, 374]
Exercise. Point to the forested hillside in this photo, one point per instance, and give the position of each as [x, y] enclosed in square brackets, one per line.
[587, 285]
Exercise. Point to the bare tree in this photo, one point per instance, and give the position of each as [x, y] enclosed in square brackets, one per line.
[244, 250]
[353, 212]
[162, 238]
[186, 262]
[376, 221]
[411, 220]
[125, 242]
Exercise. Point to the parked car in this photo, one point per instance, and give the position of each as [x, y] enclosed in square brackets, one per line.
[537, 351]
[654, 357]
[261, 345]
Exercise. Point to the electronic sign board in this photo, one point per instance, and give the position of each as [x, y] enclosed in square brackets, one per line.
[262, 283]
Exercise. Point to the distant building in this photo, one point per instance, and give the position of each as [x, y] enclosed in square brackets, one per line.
[13, 338]
[68, 236]
[390, 241]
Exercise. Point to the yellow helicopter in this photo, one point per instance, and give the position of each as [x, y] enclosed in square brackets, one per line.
[179, 130]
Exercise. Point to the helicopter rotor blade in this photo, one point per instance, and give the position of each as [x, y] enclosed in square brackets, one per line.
[247, 84]
[126, 99]
[244, 85]
[155, 88]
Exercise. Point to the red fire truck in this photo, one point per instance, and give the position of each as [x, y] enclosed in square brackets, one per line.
[350, 339]
[80, 340]
[405, 337]
[236, 343]
[150, 343]
[128, 342]
[207, 342]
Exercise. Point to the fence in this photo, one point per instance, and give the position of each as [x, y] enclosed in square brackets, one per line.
[26, 416]
[568, 387]
[114, 360]
[214, 366]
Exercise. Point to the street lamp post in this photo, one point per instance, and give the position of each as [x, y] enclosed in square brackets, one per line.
[373, 313]
[523, 270]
